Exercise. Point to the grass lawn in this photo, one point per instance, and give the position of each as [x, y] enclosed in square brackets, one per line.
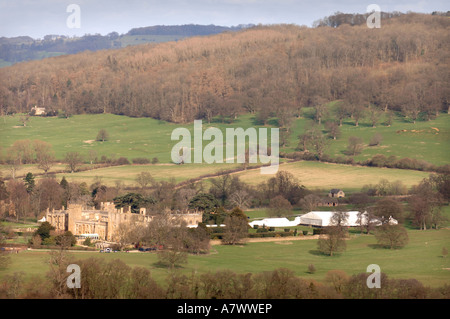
[425, 140]
[313, 175]
[317, 175]
[128, 137]
[420, 259]
[146, 137]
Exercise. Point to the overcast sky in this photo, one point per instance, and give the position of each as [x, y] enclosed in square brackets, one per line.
[37, 18]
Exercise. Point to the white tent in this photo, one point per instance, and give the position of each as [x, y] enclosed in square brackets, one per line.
[275, 222]
[321, 219]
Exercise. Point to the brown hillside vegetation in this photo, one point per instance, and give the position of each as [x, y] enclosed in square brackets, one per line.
[277, 69]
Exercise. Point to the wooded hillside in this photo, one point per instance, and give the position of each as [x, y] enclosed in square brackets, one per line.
[403, 66]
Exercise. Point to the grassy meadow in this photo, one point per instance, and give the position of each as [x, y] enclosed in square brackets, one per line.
[425, 140]
[149, 138]
[146, 137]
[421, 259]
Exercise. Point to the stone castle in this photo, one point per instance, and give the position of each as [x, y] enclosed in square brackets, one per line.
[102, 223]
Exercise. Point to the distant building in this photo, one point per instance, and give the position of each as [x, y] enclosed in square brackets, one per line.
[329, 201]
[336, 193]
[102, 223]
[37, 110]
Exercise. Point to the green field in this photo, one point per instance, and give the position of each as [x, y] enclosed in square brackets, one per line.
[425, 140]
[317, 175]
[420, 259]
[146, 137]
[313, 175]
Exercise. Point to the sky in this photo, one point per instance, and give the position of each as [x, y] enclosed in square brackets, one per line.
[37, 18]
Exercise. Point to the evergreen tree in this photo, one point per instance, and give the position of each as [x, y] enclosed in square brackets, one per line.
[29, 182]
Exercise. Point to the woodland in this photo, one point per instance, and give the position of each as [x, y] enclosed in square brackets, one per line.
[273, 70]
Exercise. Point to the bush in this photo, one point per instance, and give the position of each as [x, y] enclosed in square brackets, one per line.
[378, 160]
[155, 160]
[317, 231]
[122, 161]
[50, 241]
[87, 242]
[376, 139]
[305, 232]
[311, 268]
[105, 160]
[140, 160]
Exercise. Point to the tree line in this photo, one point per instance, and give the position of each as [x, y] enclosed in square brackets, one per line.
[102, 279]
[263, 70]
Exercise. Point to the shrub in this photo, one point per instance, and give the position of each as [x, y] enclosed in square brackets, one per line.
[376, 139]
[104, 159]
[122, 161]
[155, 160]
[305, 232]
[140, 160]
[378, 160]
[50, 241]
[317, 231]
[311, 268]
[87, 242]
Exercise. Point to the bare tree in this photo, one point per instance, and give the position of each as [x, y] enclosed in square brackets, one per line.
[73, 161]
[144, 179]
[279, 206]
[309, 202]
[236, 229]
[339, 217]
[332, 240]
[19, 198]
[392, 236]
[355, 145]
[44, 155]
[333, 129]
[102, 135]
[240, 198]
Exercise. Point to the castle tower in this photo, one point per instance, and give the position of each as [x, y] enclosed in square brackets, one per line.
[74, 213]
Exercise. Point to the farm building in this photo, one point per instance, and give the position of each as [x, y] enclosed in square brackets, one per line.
[330, 201]
[336, 193]
[37, 110]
